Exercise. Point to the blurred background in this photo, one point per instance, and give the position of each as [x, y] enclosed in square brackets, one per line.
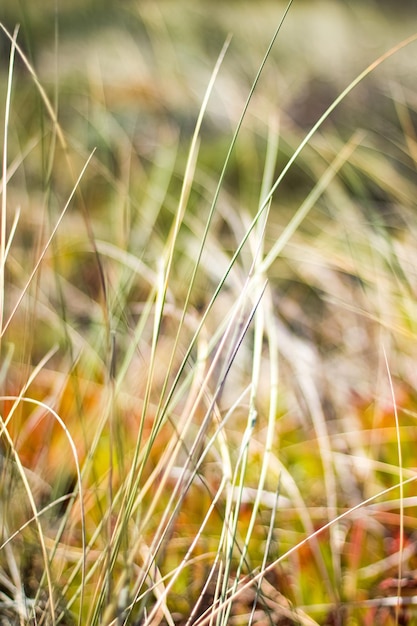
[148, 62]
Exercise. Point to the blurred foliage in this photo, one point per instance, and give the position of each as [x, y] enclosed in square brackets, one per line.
[127, 79]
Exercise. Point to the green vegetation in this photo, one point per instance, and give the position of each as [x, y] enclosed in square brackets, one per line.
[208, 314]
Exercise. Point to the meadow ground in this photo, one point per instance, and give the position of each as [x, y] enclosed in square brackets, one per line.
[208, 313]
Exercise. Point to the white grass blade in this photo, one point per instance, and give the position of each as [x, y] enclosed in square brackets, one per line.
[3, 219]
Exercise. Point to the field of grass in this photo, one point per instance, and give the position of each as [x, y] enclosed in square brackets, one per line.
[208, 316]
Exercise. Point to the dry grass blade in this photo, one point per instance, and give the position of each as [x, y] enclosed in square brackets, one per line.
[3, 226]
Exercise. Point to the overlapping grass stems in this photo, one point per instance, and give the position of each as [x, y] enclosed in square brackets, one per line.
[207, 408]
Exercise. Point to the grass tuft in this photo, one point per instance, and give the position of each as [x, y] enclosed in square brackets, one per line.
[207, 322]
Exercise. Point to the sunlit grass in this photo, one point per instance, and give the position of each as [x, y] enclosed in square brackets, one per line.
[207, 353]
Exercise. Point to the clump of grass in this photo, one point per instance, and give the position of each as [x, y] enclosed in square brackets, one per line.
[207, 383]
